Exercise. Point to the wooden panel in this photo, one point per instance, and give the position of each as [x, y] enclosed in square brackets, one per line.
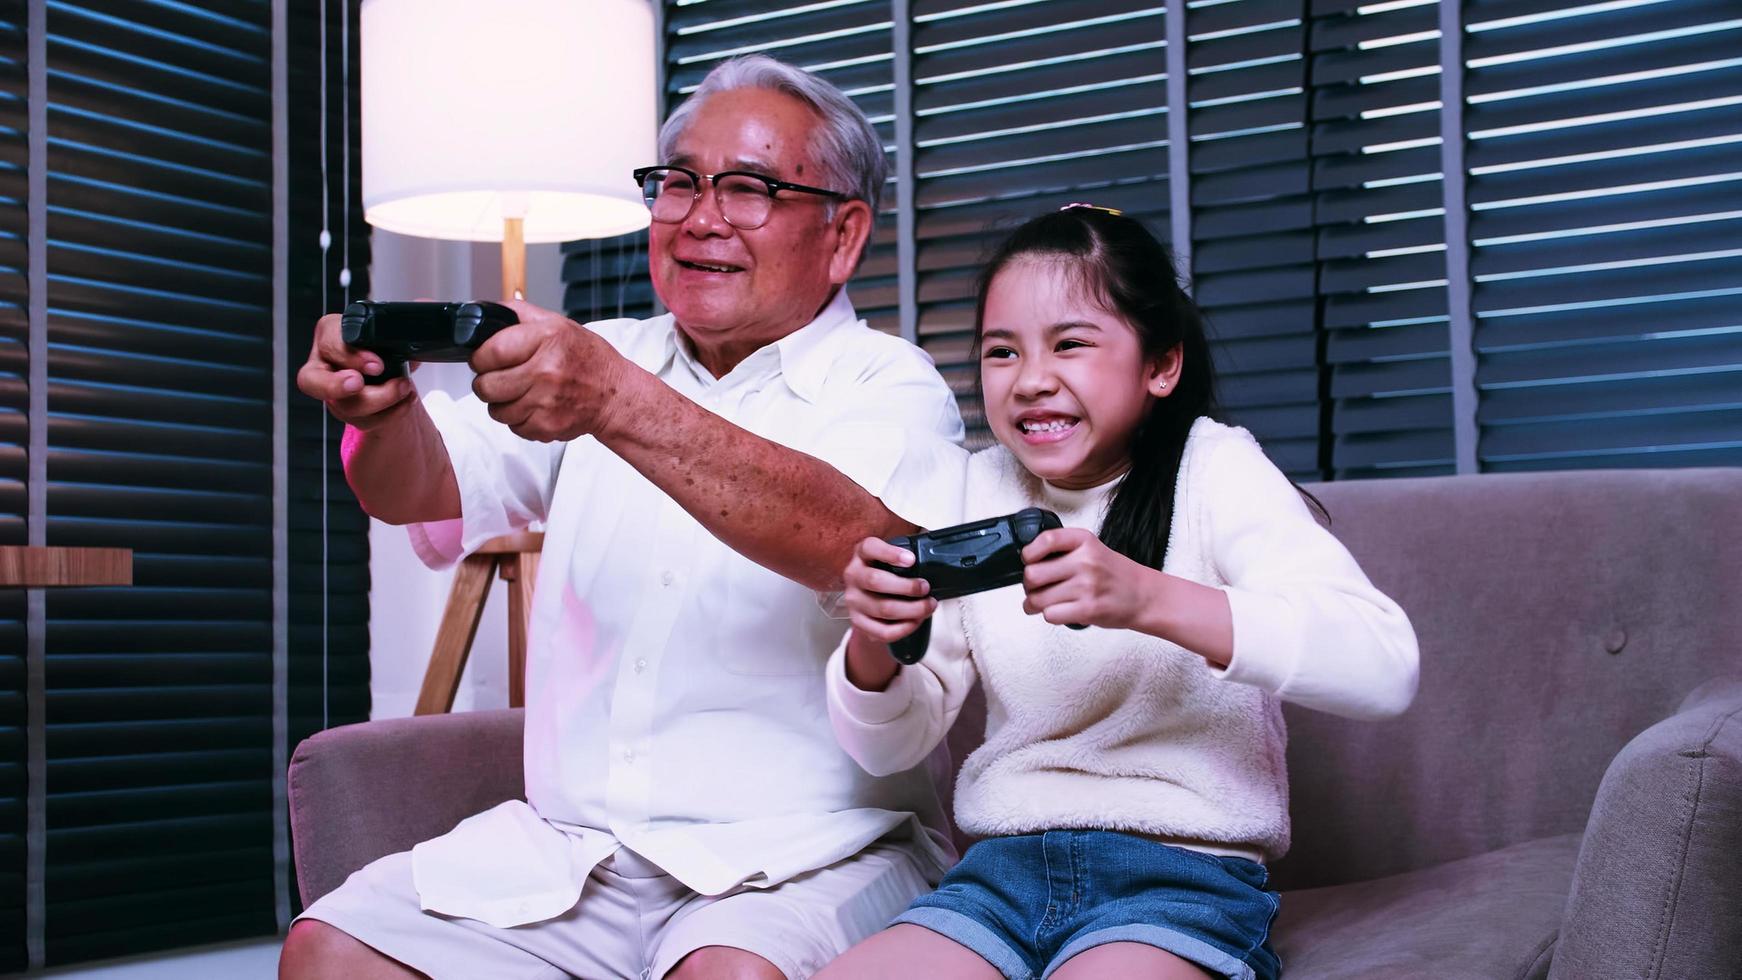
[34, 567]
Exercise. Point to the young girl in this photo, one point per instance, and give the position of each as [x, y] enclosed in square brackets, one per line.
[1132, 782]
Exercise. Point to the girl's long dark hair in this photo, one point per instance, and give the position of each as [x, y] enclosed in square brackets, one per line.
[1120, 265]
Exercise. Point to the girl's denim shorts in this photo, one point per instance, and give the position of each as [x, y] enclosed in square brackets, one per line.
[1028, 903]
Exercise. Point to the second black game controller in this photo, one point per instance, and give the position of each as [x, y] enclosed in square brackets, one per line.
[401, 332]
[965, 559]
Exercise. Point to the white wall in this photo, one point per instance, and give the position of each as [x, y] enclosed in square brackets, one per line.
[405, 598]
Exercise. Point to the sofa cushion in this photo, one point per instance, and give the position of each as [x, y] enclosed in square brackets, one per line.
[1493, 915]
[1560, 614]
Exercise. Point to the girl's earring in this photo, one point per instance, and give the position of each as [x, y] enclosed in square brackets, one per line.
[1160, 386]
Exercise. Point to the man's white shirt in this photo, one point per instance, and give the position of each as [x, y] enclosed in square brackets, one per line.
[675, 695]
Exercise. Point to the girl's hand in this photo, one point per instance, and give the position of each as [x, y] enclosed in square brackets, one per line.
[883, 607]
[1071, 577]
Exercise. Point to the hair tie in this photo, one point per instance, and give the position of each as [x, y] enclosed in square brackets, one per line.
[1093, 207]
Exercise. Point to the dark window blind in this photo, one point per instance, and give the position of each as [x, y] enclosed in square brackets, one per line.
[1605, 159]
[328, 548]
[1020, 109]
[1253, 255]
[1379, 225]
[607, 278]
[1602, 202]
[14, 443]
[159, 696]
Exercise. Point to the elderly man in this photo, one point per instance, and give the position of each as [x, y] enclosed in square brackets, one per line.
[702, 476]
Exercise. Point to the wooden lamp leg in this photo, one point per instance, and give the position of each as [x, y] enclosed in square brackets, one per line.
[454, 637]
[520, 571]
[513, 556]
[513, 258]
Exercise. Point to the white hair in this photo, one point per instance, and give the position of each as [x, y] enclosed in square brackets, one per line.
[845, 144]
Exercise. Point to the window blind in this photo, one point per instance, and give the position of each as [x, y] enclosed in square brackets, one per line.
[1380, 238]
[1600, 215]
[606, 278]
[1605, 159]
[329, 548]
[1253, 228]
[159, 701]
[159, 818]
[1019, 109]
[14, 444]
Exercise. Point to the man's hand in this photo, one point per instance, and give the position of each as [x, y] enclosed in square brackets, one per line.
[883, 607]
[1072, 577]
[395, 461]
[548, 378]
[334, 373]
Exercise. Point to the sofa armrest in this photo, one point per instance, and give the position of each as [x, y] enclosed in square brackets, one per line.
[1655, 889]
[360, 792]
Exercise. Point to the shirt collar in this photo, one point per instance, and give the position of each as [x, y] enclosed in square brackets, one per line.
[799, 357]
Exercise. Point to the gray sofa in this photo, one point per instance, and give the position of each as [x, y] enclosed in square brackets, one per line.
[1564, 799]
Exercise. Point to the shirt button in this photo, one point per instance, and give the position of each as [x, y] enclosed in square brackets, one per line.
[666, 577]
[629, 755]
[640, 665]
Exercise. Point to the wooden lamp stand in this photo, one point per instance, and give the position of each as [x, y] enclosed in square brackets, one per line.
[512, 556]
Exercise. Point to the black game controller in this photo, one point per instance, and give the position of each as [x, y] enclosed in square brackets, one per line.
[401, 332]
[975, 557]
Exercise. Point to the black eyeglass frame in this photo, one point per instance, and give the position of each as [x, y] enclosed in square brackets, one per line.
[774, 185]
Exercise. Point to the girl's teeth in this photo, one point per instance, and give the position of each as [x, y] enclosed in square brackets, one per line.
[1054, 426]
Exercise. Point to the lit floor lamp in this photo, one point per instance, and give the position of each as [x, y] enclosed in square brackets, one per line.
[512, 121]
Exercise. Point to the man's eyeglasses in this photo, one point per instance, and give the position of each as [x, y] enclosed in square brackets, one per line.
[745, 198]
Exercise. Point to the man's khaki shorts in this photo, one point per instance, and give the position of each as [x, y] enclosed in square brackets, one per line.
[633, 921]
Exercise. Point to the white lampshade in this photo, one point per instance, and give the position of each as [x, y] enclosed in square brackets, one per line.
[480, 110]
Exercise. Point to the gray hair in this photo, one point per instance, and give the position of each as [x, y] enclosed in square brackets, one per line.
[845, 145]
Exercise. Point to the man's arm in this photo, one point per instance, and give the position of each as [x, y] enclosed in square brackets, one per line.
[395, 460]
[399, 468]
[551, 380]
[776, 506]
